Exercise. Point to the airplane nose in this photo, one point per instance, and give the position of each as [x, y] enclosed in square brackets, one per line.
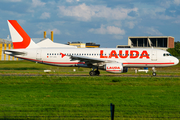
[176, 61]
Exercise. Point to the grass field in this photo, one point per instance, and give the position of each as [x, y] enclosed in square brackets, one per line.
[89, 97]
[86, 97]
[26, 67]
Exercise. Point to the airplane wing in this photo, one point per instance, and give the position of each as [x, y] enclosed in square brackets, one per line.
[88, 60]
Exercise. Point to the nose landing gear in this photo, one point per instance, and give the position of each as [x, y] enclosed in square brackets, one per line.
[154, 71]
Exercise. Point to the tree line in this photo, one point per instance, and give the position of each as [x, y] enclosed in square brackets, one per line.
[176, 50]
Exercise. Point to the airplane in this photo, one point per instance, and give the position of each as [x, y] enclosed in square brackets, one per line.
[113, 60]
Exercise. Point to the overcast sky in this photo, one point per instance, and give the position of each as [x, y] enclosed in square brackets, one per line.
[106, 22]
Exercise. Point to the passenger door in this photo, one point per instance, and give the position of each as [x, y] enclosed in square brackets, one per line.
[154, 55]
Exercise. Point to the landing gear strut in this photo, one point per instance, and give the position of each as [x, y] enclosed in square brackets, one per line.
[93, 73]
[154, 71]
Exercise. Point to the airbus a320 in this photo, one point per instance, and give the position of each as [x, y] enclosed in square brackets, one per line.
[114, 60]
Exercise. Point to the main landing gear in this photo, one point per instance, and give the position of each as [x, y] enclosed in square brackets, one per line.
[94, 73]
[154, 71]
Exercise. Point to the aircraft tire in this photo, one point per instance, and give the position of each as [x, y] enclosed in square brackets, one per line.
[92, 73]
[97, 72]
[154, 73]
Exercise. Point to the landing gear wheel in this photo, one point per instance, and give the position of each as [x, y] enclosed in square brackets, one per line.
[92, 73]
[154, 73]
[97, 72]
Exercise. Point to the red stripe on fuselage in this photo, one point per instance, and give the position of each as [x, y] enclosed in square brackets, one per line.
[150, 63]
[52, 62]
[64, 62]
[84, 62]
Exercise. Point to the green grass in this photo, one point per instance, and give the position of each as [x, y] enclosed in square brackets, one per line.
[26, 67]
[89, 97]
[61, 97]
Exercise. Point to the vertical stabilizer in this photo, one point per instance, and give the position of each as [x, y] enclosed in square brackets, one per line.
[20, 38]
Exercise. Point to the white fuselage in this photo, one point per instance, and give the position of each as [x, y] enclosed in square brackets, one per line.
[129, 57]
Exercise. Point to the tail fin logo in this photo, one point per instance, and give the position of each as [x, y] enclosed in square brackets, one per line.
[19, 30]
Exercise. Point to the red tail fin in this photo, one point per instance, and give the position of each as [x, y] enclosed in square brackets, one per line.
[20, 38]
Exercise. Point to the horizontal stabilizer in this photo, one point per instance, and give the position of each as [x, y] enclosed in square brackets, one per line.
[12, 52]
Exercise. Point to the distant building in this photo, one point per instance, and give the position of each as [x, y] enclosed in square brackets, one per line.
[123, 46]
[5, 45]
[92, 45]
[84, 45]
[78, 44]
[158, 42]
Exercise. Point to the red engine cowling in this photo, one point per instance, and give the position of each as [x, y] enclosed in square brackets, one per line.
[114, 67]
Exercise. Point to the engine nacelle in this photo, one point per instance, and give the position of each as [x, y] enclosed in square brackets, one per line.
[114, 67]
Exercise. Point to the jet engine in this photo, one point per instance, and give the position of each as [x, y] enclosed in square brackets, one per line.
[115, 68]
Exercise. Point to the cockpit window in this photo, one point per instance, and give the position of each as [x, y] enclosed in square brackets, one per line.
[167, 54]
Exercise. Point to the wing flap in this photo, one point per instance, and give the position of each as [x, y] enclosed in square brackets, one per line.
[88, 59]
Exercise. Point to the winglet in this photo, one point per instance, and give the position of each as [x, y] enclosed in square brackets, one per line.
[20, 38]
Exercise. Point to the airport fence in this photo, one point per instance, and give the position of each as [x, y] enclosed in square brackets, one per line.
[74, 112]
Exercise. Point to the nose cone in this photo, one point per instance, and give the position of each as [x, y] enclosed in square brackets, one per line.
[176, 61]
